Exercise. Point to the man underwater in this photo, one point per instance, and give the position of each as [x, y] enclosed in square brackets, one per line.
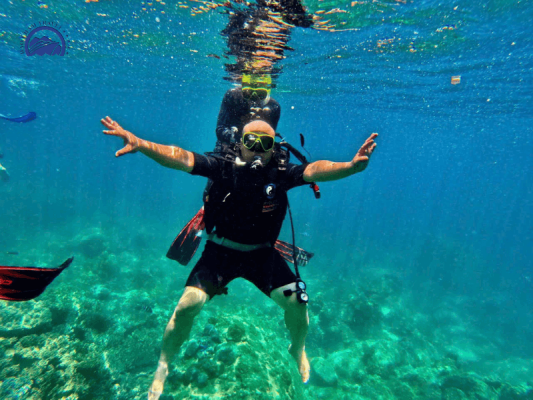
[244, 214]
[241, 105]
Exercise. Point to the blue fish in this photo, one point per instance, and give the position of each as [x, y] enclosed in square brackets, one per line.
[25, 118]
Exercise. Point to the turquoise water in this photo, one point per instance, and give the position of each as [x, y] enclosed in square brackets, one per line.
[421, 284]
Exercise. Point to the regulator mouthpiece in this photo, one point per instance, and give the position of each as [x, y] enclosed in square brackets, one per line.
[257, 164]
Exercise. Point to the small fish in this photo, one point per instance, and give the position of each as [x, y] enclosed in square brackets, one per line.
[145, 308]
[12, 253]
[25, 118]
[214, 56]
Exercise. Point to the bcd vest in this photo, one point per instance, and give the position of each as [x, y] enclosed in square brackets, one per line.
[244, 198]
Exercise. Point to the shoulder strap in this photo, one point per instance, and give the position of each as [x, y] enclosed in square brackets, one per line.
[227, 152]
[282, 157]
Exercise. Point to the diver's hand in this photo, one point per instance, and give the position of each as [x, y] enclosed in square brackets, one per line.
[131, 142]
[361, 159]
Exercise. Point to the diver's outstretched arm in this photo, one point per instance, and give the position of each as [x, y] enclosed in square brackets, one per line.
[168, 156]
[323, 171]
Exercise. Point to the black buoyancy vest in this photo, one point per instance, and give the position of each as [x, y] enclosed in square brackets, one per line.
[243, 207]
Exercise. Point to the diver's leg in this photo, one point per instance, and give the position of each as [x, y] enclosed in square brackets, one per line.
[297, 322]
[177, 332]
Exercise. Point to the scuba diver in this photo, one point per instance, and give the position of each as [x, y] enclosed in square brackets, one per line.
[243, 217]
[241, 105]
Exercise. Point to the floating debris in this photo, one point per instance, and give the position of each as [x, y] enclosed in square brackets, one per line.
[446, 28]
[336, 11]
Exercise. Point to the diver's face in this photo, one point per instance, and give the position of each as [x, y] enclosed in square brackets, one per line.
[249, 155]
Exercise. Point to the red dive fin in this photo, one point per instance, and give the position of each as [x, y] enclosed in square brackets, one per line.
[26, 283]
[286, 251]
[186, 243]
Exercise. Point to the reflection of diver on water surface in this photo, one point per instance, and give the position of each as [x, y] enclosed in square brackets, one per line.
[258, 35]
[295, 13]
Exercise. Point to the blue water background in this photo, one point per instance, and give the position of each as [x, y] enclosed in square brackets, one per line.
[447, 199]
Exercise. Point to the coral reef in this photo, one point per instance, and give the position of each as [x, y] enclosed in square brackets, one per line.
[96, 334]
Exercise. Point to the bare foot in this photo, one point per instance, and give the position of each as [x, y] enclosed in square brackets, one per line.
[156, 389]
[152, 394]
[303, 363]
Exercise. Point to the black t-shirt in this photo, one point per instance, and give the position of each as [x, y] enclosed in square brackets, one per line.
[247, 206]
[235, 111]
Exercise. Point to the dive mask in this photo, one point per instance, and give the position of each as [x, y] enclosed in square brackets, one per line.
[256, 87]
[257, 142]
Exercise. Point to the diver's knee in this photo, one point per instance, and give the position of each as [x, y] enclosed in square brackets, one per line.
[191, 303]
[298, 310]
[287, 298]
[295, 308]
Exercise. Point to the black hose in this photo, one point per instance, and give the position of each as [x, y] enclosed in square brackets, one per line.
[296, 153]
[294, 252]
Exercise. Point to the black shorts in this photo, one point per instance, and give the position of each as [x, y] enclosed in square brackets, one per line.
[218, 266]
